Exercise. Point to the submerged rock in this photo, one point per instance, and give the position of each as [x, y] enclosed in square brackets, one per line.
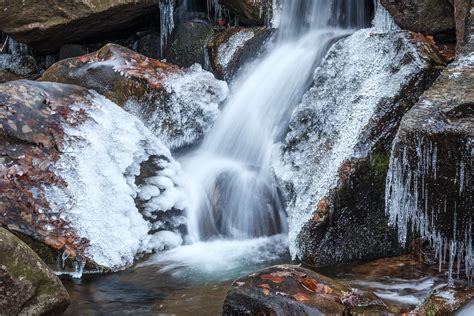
[47, 27]
[333, 164]
[27, 285]
[231, 49]
[429, 184]
[178, 105]
[69, 159]
[292, 290]
[427, 16]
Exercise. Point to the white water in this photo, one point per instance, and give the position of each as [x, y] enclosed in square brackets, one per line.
[231, 189]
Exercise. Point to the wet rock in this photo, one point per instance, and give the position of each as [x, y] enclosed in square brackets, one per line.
[47, 27]
[27, 285]
[429, 184]
[15, 67]
[231, 49]
[69, 159]
[464, 18]
[188, 43]
[251, 12]
[178, 105]
[71, 50]
[427, 16]
[333, 165]
[287, 289]
[446, 301]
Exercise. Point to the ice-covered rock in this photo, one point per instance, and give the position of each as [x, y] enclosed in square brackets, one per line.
[231, 49]
[333, 163]
[430, 180]
[178, 105]
[71, 167]
[251, 12]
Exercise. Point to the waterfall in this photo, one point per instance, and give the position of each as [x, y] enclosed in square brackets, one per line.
[383, 21]
[230, 186]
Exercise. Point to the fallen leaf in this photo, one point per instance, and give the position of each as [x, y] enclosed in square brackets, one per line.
[309, 284]
[271, 277]
[300, 297]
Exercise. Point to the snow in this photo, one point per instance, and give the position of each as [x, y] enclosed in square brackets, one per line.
[325, 128]
[99, 162]
[189, 112]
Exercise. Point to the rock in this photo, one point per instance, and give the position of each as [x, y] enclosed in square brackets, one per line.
[231, 49]
[426, 16]
[188, 43]
[429, 184]
[447, 301]
[333, 164]
[292, 290]
[27, 285]
[178, 105]
[72, 50]
[251, 12]
[69, 166]
[464, 18]
[47, 27]
[18, 67]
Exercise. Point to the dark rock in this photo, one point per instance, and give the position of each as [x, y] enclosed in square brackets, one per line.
[251, 12]
[426, 16]
[178, 105]
[429, 184]
[27, 285]
[292, 290]
[18, 67]
[188, 43]
[71, 50]
[336, 155]
[233, 48]
[47, 27]
[464, 18]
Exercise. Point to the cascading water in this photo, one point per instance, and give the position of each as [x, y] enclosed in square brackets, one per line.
[231, 189]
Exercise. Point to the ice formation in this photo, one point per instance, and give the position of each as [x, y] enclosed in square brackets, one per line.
[383, 21]
[100, 161]
[166, 21]
[418, 167]
[190, 111]
[326, 127]
[227, 50]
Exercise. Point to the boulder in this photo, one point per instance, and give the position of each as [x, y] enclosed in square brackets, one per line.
[188, 43]
[251, 12]
[231, 49]
[27, 285]
[81, 175]
[178, 105]
[46, 27]
[429, 183]
[464, 18]
[426, 16]
[333, 164]
[292, 290]
[18, 67]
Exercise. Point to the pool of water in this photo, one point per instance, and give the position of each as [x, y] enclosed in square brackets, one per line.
[194, 280]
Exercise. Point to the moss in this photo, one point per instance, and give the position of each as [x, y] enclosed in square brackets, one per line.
[379, 163]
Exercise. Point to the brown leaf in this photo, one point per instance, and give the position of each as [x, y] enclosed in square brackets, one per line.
[264, 286]
[272, 277]
[309, 284]
[301, 297]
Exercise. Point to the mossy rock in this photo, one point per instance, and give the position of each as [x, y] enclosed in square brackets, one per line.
[27, 285]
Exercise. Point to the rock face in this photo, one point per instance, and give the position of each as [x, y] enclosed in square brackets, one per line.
[464, 17]
[27, 285]
[251, 12]
[231, 49]
[291, 290]
[333, 164]
[69, 161]
[429, 184]
[48, 27]
[178, 105]
[426, 16]
[188, 43]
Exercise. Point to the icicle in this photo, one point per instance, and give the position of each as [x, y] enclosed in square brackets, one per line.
[166, 22]
[16, 48]
[383, 21]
